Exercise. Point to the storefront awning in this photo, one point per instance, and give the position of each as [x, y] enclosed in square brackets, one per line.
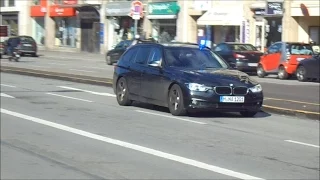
[162, 16]
[122, 8]
[216, 17]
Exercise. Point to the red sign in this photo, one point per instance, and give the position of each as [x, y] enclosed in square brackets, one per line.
[4, 31]
[70, 2]
[57, 11]
[136, 8]
[38, 11]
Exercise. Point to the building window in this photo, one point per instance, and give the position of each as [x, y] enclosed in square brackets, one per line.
[2, 3]
[66, 31]
[39, 33]
[11, 3]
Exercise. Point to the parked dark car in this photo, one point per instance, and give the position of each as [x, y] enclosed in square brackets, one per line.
[243, 57]
[25, 44]
[309, 69]
[184, 78]
[113, 55]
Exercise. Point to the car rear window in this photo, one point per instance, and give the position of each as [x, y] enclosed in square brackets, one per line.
[193, 58]
[242, 47]
[300, 49]
[26, 39]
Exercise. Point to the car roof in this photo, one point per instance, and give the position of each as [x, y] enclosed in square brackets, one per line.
[171, 44]
[236, 43]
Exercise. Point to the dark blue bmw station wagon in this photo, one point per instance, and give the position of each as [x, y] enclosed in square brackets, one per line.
[184, 77]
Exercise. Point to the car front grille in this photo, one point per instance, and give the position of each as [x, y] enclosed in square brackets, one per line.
[240, 90]
[226, 90]
[223, 90]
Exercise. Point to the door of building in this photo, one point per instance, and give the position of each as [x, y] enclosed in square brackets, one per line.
[260, 35]
[90, 38]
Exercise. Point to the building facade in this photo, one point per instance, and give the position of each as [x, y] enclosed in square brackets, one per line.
[14, 13]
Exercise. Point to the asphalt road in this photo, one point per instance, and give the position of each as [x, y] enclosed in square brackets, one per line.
[288, 94]
[63, 130]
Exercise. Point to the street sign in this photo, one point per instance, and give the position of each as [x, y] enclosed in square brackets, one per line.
[136, 10]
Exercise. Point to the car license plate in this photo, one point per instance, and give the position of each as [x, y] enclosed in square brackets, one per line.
[17, 55]
[232, 99]
[253, 64]
[28, 45]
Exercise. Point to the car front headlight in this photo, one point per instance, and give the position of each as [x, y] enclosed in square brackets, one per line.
[197, 87]
[256, 88]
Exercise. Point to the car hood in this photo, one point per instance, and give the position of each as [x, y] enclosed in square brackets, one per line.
[218, 77]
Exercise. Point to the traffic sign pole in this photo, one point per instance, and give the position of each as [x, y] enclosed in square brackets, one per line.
[136, 13]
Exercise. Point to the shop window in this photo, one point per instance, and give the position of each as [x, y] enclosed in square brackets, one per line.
[39, 33]
[66, 31]
[11, 3]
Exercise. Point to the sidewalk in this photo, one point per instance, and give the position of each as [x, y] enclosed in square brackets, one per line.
[70, 55]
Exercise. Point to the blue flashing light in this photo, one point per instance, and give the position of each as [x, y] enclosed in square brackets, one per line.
[202, 44]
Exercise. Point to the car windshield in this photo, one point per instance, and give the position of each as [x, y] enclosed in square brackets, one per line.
[300, 49]
[193, 58]
[242, 47]
[26, 39]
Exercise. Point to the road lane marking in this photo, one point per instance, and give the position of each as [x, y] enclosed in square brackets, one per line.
[59, 64]
[7, 85]
[135, 147]
[87, 91]
[292, 110]
[306, 144]
[288, 100]
[172, 117]
[69, 97]
[6, 95]
[81, 70]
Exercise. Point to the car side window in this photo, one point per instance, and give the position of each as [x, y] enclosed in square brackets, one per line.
[129, 55]
[155, 56]
[274, 48]
[143, 55]
[225, 48]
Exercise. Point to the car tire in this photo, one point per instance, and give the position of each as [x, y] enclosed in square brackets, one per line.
[282, 74]
[260, 72]
[301, 74]
[248, 113]
[34, 55]
[176, 101]
[122, 93]
[108, 60]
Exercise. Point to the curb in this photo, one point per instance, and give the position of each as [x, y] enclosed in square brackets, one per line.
[59, 76]
[108, 82]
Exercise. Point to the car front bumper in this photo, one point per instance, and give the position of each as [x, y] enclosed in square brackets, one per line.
[210, 101]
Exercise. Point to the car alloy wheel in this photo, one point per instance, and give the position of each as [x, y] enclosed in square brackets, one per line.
[122, 92]
[175, 100]
[282, 74]
[260, 72]
[248, 113]
[301, 74]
